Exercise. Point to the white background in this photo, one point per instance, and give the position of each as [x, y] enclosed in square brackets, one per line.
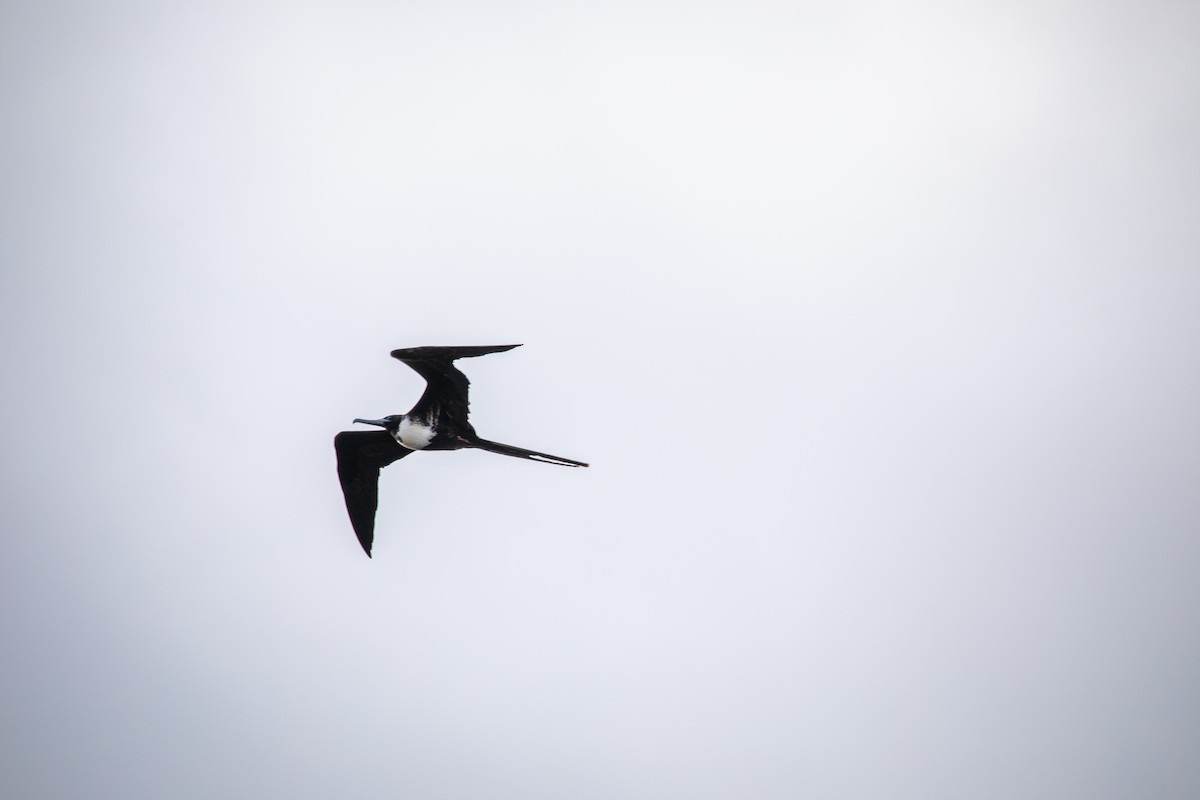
[877, 322]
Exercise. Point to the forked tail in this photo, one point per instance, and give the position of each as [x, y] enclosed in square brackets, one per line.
[520, 452]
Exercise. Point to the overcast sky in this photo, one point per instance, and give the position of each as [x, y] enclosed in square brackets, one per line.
[877, 322]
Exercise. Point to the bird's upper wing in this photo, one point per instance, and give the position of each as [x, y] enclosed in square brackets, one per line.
[360, 456]
[447, 387]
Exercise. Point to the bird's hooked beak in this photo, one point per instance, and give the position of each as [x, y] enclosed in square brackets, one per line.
[383, 423]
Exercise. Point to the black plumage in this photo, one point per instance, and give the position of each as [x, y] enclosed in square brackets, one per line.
[437, 422]
[360, 456]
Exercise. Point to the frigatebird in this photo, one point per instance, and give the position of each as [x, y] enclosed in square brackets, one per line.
[437, 422]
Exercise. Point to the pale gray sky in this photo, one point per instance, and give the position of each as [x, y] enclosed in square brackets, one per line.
[877, 322]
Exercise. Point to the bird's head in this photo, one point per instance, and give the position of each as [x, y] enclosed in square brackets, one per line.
[391, 422]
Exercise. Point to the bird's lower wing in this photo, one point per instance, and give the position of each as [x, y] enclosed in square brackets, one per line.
[360, 456]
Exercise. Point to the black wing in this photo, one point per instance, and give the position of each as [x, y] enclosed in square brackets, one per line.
[447, 387]
[360, 455]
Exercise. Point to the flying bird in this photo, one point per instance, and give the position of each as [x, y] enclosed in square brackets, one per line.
[437, 422]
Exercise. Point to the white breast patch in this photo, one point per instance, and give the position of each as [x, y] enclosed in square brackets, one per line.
[413, 434]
